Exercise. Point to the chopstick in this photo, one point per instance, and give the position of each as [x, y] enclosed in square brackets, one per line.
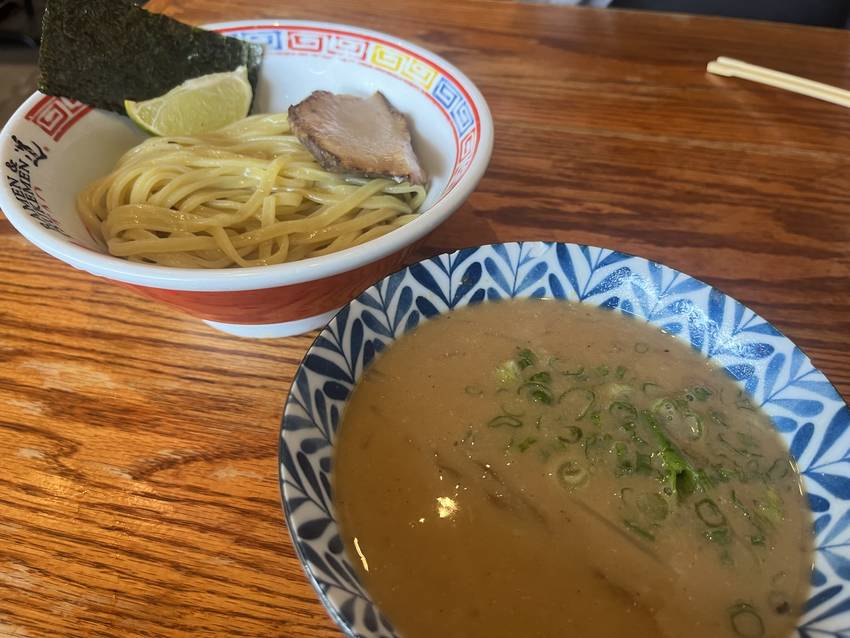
[729, 67]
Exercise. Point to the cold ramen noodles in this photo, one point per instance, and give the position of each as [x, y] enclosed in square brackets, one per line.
[333, 172]
[542, 469]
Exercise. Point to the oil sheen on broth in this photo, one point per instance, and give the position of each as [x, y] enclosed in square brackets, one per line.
[542, 469]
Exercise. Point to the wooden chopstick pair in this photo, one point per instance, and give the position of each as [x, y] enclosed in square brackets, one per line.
[730, 67]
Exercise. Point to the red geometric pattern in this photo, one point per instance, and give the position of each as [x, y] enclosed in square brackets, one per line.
[305, 41]
[465, 153]
[55, 115]
[312, 41]
[347, 46]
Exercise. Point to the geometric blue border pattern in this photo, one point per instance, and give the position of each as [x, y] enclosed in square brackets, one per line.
[805, 408]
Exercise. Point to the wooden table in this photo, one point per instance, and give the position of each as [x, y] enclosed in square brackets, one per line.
[139, 487]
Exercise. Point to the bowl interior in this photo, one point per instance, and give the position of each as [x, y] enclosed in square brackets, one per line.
[805, 408]
[80, 144]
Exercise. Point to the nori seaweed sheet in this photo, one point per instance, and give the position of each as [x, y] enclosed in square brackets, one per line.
[102, 52]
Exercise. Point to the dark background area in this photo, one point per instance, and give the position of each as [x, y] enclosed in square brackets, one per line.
[824, 13]
[20, 23]
[20, 29]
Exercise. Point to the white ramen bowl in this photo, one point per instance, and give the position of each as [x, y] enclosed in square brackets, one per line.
[52, 147]
[805, 408]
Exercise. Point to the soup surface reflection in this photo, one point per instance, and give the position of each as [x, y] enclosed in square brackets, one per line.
[542, 469]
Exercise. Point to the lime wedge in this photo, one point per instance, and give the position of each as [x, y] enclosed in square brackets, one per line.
[199, 105]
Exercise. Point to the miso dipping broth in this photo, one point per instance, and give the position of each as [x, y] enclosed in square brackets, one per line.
[545, 469]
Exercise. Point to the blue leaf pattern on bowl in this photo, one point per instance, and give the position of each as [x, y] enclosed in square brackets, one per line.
[806, 409]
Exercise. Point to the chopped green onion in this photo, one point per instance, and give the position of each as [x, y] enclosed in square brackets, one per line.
[526, 443]
[700, 393]
[627, 439]
[745, 511]
[779, 469]
[508, 372]
[597, 444]
[665, 408]
[504, 419]
[680, 474]
[720, 536]
[718, 418]
[753, 467]
[619, 391]
[709, 513]
[624, 462]
[631, 428]
[587, 400]
[743, 401]
[770, 509]
[694, 425]
[623, 410]
[643, 464]
[572, 434]
[640, 531]
[541, 377]
[687, 483]
[525, 358]
[538, 393]
[509, 412]
[647, 387]
[654, 507]
[571, 474]
[722, 474]
[743, 451]
[747, 440]
[542, 395]
[746, 622]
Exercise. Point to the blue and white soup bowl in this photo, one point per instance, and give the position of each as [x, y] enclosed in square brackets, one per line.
[806, 409]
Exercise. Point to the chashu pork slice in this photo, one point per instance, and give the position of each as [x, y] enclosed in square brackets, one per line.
[362, 136]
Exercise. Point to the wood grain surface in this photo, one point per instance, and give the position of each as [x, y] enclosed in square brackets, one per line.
[138, 491]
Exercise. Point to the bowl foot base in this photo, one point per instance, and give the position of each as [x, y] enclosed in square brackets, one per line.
[273, 330]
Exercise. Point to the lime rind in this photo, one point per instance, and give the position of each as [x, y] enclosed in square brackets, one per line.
[199, 105]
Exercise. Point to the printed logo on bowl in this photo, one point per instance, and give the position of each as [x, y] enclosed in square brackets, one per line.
[26, 156]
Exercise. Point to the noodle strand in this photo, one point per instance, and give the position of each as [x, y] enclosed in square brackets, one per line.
[247, 195]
